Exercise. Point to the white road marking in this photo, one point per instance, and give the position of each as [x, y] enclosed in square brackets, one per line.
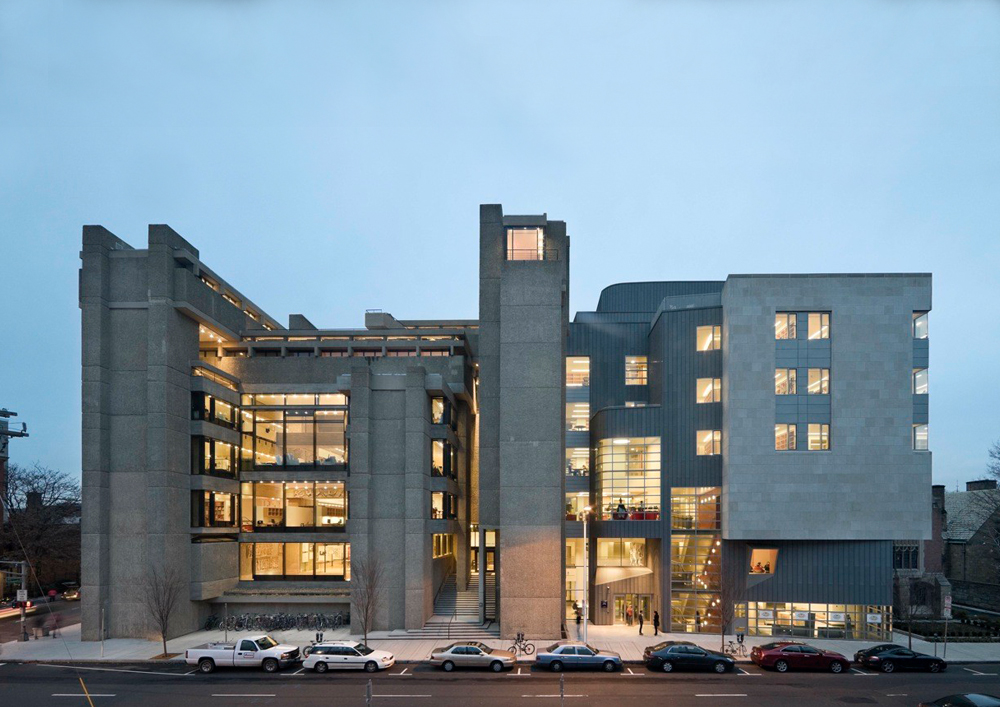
[299, 671]
[242, 695]
[722, 694]
[897, 694]
[862, 672]
[519, 674]
[553, 696]
[112, 670]
[79, 694]
[744, 672]
[403, 672]
[401, 695]
[191, 672]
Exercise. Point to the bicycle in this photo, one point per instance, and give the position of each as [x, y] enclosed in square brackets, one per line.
[736, 649]
[521, 645]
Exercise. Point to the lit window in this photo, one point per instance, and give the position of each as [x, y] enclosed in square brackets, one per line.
[784, 381]
[577, 371]
[920, 438]
[525, 244]
[709, 442]
[628, 478]
[636, 370]
[784, 438]
[578, 461]
[819, 381]
[709, 390]
[920, 325]
[763, 561]
[577, 417]
[819, 325]
[784, 325]
[819, 437]
[709, 338]
[920, 381]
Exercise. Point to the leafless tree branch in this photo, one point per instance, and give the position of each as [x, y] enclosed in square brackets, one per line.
[368, 588]
[161, 590]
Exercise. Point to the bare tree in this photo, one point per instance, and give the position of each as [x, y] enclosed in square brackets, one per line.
[161, 590]
[368, 588]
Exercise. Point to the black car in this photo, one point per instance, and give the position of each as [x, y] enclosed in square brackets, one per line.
[894, 658]
[683, 655]
[966, 700]
[859, 656]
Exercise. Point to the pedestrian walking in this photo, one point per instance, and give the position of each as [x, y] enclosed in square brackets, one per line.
[628, 615]
[656, 623]
[641, 618]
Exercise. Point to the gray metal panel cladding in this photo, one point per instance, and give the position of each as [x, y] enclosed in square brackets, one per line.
[626, 422]
[675, 367]
[647, 296]
[607, 344]
[836, 572]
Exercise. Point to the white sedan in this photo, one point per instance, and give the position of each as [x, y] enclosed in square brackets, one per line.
[346, 655]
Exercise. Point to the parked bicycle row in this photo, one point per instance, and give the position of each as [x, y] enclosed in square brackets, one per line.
[278, 622]
[669, 656]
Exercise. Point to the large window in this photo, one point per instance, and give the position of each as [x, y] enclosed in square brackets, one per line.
[213, 457]
[763, 560]
[294, 431]
[920, 325]
[577, 417]
[443, 412]
[578, 461]
[293, 506]
[628, 478]
[798, 621]
[784, 325]
[819, 325]
[784, 438]
[636, 370]
[708, 338]
[819, 437]
[525, 244]
[708, 390]
[695, 550]
[210, 509]
[577, 371]
[621, 552]
[443, 544]
[920, 438]
[295, 561]
[784, 381]
[819, 381]
[209, 408]
[444, 459]
[696, 508]
[444, 506]
[920, 381]
[694, 562]
[708, 443]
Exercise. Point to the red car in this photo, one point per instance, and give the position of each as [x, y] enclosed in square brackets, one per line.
[792, 655]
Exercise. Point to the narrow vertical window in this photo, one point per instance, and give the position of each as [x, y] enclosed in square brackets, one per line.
[636, 370]
[920, 325]
[920, 381]
[784, 438]
[784, 381]
[920, 438]
[819, 325]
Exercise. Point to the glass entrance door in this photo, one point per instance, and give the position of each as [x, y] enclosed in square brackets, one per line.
[628, 606]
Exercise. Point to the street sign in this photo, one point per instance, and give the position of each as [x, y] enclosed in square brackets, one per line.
[947, 606]
[22, 595]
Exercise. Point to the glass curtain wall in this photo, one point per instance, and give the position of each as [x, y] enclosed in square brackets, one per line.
[293, 506]
[695, 554]
[295, 561]
[628, 478]
[805, 620]
[294, 431]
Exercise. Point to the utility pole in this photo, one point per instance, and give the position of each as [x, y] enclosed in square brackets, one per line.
[6, 432]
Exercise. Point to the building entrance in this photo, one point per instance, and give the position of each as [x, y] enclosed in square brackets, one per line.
[487, 554]
[635, 602]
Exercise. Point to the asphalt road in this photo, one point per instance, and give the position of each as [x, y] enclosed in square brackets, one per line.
[69, 613]
[153, 685]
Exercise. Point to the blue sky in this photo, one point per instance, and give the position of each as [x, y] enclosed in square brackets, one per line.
[317, 152]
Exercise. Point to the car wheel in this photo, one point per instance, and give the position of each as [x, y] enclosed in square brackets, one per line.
[720, 667]
[321, 666]
[888, 666]
[371, 666]
[270, 665]
[781, 666]
[496, 666]
[836, 667]
[206, 665]
[556, 666]
[609, 666]
[668, 667]
[447, 666]
[936, 667]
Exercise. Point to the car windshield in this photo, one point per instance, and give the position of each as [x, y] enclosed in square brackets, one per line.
[266, 642]
[363, 649]
[484, 648]
[552, 648]
[592, 649]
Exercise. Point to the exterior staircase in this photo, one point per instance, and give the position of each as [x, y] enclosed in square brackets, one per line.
[456, 614]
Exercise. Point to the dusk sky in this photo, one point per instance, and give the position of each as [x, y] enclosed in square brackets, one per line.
[330, 157]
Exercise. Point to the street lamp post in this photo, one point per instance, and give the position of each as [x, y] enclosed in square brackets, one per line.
[586, 571]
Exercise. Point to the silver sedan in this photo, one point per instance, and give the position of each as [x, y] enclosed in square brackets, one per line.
[472, 654]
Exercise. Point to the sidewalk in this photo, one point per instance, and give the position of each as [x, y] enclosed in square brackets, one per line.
[622, 639]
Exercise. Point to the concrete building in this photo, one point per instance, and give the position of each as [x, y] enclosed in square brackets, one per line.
[750, 449]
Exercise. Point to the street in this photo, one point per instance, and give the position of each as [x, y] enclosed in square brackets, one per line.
[153, 685]
[69, 613]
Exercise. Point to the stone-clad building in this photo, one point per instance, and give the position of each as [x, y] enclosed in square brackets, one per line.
[759, 441]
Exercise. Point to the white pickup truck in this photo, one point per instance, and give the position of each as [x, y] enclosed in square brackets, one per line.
[252, 652]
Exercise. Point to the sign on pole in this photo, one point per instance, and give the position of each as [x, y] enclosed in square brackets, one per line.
[947, 606]
[22, 595]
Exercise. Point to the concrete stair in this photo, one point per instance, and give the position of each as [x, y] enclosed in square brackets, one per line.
[456, 614]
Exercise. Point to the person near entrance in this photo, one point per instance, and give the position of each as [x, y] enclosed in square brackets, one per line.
[628, 614]
[697, 621]
[641, 618]
[656, 623]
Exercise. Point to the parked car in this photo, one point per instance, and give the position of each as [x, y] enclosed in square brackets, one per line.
[71, 595]
[968, 699]
[792, 655]
[256, 651]
[684, 655]
[569, 655]
[471, 654]
[891, 657]
[859, 656]
[346, 655]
